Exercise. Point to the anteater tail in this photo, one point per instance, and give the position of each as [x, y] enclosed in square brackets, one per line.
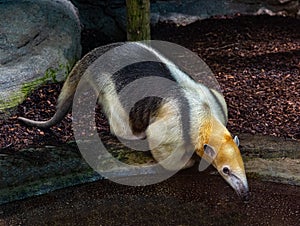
[57, 117]
[67, 93]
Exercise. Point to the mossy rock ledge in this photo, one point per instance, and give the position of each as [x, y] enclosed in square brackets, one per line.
[39, 41]
[36, 171]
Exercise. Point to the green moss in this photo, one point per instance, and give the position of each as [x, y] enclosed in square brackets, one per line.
[18, 96]
[253, 175]
[50, 75]
[6, 107]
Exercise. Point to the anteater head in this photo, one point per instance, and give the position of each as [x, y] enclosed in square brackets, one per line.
[223, 152]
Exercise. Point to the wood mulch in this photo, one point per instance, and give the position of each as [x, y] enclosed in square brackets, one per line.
[256, 60]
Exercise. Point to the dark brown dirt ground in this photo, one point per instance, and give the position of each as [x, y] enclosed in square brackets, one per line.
[188, 198]
[256, 61]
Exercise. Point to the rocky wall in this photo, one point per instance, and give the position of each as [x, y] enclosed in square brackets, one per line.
[110, 16]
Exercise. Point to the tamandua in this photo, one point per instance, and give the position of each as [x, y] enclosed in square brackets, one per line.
[189, 112]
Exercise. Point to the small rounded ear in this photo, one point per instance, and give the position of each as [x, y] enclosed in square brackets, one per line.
[236, 140]
[210, 151]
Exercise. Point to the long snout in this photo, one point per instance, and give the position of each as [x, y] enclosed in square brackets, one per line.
[240, 185]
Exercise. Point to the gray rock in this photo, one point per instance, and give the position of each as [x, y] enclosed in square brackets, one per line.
[98, 15]
[36, 171]
[110, 16]
[183, 12]
[39, 41]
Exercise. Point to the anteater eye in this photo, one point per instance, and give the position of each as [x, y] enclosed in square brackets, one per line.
[226, 170]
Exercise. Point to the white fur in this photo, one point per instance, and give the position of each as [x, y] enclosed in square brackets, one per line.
[165, 133]
[193, 87]
[117, 116]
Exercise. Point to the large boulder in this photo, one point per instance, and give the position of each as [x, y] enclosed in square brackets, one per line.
[39, 41]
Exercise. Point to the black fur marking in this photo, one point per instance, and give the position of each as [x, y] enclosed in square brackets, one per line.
[142, 112]
[136, 71]
[147, 105]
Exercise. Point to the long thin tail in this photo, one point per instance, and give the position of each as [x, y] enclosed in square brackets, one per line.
[67, 93]
[57, 117]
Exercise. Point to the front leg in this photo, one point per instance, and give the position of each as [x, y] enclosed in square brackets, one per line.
[167, 146]
[171, 159]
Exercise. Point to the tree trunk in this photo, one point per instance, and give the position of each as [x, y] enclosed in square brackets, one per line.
[138, 20]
